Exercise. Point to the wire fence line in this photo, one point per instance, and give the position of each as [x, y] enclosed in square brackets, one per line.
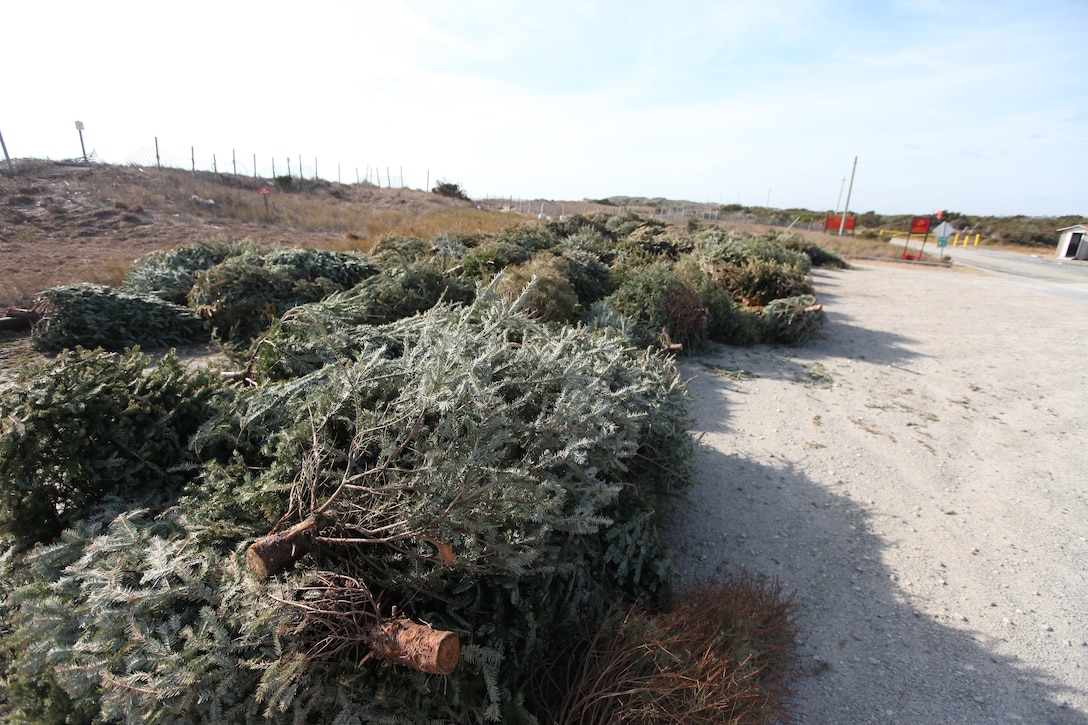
[268, 168]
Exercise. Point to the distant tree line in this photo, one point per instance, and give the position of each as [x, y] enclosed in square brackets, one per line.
[1028, 231]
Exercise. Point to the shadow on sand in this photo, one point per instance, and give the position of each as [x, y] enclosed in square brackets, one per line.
[867, 655]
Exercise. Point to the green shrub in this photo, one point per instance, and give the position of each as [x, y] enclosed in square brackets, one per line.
[91, 424]
[794, 320]
[447, 249]
[169, 273]
[492, 476]
[819, 256]
[244, 294]
[241, 297]
[726, 322]
[450, 189]
[91, 315]
[345, 269]
[589, 274]
[660, 306]
[492, 257]
[654, 242]
[310, 336]
[621, 225]
[759, 281]
[591, 240]
[530, 237]
[394, 250]
[578, 224]
[552, 298]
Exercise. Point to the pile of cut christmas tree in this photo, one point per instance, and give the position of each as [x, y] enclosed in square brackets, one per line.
[433, 495]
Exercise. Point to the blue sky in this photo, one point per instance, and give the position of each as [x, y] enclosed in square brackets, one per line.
[978, 107]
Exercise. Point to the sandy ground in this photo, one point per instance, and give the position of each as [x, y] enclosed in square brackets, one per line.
[919, 476]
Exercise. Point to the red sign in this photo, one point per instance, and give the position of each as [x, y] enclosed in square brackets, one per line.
[834, 221]
[919, 225]
[264, 190]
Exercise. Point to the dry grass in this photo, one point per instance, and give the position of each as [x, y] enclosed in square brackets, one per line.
[20, 288]
[63, 223]
[856, 247]
[721, 655]
[359, 212]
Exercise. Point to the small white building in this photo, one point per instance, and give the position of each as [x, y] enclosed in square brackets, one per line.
[1072, 243]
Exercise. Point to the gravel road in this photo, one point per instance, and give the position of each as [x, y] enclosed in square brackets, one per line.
[919, 476]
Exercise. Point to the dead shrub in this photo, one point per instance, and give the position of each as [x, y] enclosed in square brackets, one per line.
[721, 655]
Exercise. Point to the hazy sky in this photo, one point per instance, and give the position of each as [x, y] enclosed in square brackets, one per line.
[978, 107]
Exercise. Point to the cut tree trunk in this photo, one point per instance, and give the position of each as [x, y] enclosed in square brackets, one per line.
[19, 319]
[272, 554]
[401, 641]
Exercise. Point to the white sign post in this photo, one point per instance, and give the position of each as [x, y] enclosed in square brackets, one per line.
[79, 127]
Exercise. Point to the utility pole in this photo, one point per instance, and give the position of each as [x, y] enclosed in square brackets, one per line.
[849, 191]
[839, 200]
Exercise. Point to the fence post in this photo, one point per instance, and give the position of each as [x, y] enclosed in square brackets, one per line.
[234, 161]
[192, 156]
[288, 167]
[215, 167]
[158, 163]
[254, 166]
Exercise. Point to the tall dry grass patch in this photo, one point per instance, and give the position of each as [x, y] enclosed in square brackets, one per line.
[20, 288]
[170, 207]
[365, 212]
[722, 655]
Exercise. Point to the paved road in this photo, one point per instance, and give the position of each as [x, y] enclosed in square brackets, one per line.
[1042, 272]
